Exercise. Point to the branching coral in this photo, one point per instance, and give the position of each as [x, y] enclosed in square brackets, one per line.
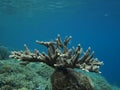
[59, 56]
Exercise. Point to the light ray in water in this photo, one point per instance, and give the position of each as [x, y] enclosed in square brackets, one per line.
[16, 6]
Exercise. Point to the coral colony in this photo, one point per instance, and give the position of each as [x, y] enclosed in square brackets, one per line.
[60, 57]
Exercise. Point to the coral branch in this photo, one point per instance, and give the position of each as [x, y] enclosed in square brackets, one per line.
[59, 56]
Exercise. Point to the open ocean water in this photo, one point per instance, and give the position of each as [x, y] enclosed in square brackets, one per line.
[94, 23]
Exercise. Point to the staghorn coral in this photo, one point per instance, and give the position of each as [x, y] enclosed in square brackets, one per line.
[63, 60]
[59, 56]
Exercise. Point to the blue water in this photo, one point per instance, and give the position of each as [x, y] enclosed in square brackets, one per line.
[94, 23]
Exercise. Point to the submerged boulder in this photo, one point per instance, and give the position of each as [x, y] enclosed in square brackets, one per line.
[68, 79]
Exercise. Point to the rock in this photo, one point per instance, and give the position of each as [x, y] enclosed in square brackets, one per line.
[68, 79]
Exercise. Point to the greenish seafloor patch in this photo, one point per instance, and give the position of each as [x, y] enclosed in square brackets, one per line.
[36, 76]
